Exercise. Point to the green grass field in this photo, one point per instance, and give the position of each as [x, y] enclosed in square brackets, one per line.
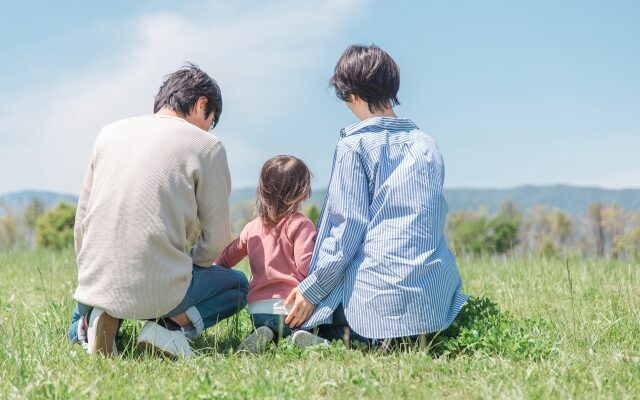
[565, 333]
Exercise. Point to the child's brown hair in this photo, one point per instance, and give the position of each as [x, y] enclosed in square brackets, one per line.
[285, 182]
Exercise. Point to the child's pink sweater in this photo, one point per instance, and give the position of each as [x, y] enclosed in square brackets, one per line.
[279, 258]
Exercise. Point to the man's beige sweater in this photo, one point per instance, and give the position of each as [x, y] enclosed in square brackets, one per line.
[150, 180]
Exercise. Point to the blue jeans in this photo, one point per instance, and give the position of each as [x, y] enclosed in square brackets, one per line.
[215, 293]
[275, 322]
[338, 327]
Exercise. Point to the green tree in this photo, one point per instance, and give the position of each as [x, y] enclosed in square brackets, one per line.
[313, 213]
[9, 235]
[468, 233]
[34, 209]
[595, 217]
[54, 229]
[548, 247]
[563, 228]
[503, 229]
[627, 245]
[547, 231]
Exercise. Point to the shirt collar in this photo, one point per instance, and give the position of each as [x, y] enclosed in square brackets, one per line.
[385, 123]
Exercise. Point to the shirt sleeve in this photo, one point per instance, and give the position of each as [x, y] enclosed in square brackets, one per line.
[303, 238]
[213, 187]
[342, 226]
[234, 252]
[81, 210]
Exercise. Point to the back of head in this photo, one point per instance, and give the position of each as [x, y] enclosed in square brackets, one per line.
[181, 90]
[285, 182]
[369, 73]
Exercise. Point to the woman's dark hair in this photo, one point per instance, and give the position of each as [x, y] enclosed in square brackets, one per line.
[369, 73]
[181, 90]
[285, 182]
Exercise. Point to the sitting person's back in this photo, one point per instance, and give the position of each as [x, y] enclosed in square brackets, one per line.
[150, 181]
[142, 204]
[381, 265]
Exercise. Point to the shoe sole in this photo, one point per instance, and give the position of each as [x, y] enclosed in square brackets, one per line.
[153, 340]
[261, 337]
[106, 330]
[149, 348]
[306, 341]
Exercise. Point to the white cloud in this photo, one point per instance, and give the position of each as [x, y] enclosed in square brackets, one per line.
[47, 135]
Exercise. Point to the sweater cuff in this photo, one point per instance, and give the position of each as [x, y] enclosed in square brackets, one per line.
[311, 289]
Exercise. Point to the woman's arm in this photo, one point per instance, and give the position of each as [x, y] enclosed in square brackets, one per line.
[342, 229]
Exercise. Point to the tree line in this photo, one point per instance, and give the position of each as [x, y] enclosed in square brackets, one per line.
[37, 226]
[603, 231]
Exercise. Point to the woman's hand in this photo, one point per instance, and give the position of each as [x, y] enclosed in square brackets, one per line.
[301, 310]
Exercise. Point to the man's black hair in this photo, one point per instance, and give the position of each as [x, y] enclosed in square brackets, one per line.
[182, 89]
[369, 73]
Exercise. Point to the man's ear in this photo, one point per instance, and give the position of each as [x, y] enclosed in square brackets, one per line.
[201, 103]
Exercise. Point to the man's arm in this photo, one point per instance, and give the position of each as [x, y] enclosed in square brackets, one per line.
[213, 187]
[81, 210]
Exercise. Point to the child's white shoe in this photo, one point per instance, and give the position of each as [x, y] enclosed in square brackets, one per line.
[257, 341]
[304, 339]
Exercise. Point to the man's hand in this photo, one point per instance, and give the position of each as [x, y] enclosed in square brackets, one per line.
[301, 310]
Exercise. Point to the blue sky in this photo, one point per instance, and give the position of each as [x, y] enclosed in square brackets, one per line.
[538, 92]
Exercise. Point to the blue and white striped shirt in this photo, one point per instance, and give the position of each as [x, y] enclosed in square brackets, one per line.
[381, 249]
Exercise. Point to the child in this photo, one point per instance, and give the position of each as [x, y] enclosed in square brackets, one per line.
[279, 244]
[381, 266]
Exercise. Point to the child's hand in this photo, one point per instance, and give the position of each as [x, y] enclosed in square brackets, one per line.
[301, 310]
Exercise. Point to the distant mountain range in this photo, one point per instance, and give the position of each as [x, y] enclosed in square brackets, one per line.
[570, 199]
[573, 200]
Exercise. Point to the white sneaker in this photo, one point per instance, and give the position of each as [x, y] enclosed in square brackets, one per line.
[82, 328]
[172, 343]
[100, 333]
[257, 341]
[304, 339]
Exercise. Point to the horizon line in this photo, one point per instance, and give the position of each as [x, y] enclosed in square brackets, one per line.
[496, 188]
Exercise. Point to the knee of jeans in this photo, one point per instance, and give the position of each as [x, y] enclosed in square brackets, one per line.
[243, 282]
[243, 297]
[240, 294]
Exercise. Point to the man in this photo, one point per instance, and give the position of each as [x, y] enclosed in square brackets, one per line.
[150, 180]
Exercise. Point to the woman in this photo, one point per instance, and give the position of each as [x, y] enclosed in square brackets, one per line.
[381, 264]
